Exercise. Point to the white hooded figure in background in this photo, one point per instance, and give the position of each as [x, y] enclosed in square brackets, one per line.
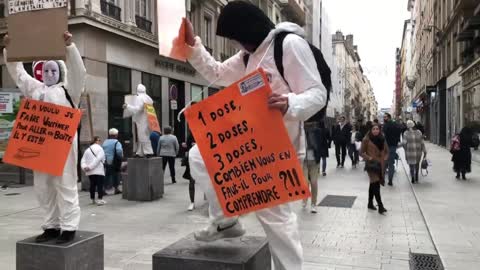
[57, 195]
[139, 116]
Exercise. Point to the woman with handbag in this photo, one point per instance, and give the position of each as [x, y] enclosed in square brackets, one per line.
[414, 147]
[93, 164]
[374, 151]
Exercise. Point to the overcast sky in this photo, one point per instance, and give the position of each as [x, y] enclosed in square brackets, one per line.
[377, 26]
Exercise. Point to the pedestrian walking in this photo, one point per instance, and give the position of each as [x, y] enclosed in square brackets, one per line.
[461, 152]
[324, 144]
[191, 186]
[352, 146]
[113, 154]
[311, 164]
[414, 147]
[375, 152]
[168, 149]
[298, 93]
[93, 164]
[341, 137]
[392, 136]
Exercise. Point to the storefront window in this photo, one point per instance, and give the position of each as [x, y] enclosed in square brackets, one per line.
[196, 93]
[153, 83]
[119, 85]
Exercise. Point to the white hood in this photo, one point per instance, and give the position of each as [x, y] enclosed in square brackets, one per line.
[288, 27]
[142, 94]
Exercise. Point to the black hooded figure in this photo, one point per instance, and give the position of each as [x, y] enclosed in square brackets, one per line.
[244, 22]
[299, 95]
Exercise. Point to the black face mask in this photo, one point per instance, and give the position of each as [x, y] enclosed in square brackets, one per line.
[244, 22]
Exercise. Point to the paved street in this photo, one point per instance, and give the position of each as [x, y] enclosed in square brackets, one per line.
[334, 238]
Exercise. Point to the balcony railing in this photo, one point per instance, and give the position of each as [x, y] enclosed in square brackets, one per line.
[143, 23]
[110, 9]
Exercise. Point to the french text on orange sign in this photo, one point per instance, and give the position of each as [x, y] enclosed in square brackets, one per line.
[246, 148]
[42, 136]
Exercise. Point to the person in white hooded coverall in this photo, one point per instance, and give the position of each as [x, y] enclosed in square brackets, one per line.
[299, 100]
[57, 195]
[139, 116]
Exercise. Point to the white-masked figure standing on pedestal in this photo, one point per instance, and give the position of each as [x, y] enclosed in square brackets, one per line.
[57, 195]
[139, 116]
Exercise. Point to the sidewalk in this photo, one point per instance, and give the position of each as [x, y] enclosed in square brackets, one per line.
[452, 210]
[334, 238]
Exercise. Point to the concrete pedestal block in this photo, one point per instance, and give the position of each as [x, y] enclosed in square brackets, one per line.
[85, 252]
[246, 253]
[145, 179]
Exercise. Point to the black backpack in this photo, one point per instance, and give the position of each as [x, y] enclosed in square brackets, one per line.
[322, 66]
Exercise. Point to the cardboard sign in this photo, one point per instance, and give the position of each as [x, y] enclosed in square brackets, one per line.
[152, 118]
[246, 148]
[42, 136]
[37, 34]
[171, 38]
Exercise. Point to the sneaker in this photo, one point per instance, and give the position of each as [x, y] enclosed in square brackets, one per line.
[94, 202]
[313, 210]
[324, 173]
[117, 191]
[191, 207]
[216, 232]
[101, 202]
[47, 235]
[65, 237]
[304, 204]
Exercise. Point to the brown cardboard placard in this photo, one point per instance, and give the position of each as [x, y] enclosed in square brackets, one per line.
[37, 35]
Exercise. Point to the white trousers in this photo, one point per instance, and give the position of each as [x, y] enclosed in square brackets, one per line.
[58, 196]
[144, 148]
[279, 222]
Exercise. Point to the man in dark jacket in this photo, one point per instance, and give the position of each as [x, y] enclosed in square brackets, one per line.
[392, 134]
[341, 136]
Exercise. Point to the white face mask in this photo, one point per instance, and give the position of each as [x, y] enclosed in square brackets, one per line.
[51, 73]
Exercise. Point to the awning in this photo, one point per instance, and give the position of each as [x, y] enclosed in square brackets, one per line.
[466, 35]
[473, 23]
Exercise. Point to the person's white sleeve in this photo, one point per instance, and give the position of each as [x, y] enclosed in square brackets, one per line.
[134, 109]
[23, 80]
[223, 74]
[177, 146]
[300, 71]
[83, 162]
[100, 156]
[76, 73]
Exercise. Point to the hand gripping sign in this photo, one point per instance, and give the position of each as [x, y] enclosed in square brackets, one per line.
[42, 136]
[246, 148]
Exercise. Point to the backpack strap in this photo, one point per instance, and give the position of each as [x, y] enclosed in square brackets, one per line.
[69, 98]
[245, 59]
[278, 52]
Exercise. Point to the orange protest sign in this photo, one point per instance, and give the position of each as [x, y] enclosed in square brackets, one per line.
[246, 148]
[42, 136]
[152, 118]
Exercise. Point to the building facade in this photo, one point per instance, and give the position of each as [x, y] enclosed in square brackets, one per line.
[118, 42]
[354, 84]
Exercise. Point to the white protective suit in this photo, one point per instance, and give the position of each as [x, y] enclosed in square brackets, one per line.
[139, 116]
[306, 96]
[58, 195]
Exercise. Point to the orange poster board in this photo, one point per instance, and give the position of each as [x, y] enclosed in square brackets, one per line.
[246, 148]
[152, 118]
[42, 136]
